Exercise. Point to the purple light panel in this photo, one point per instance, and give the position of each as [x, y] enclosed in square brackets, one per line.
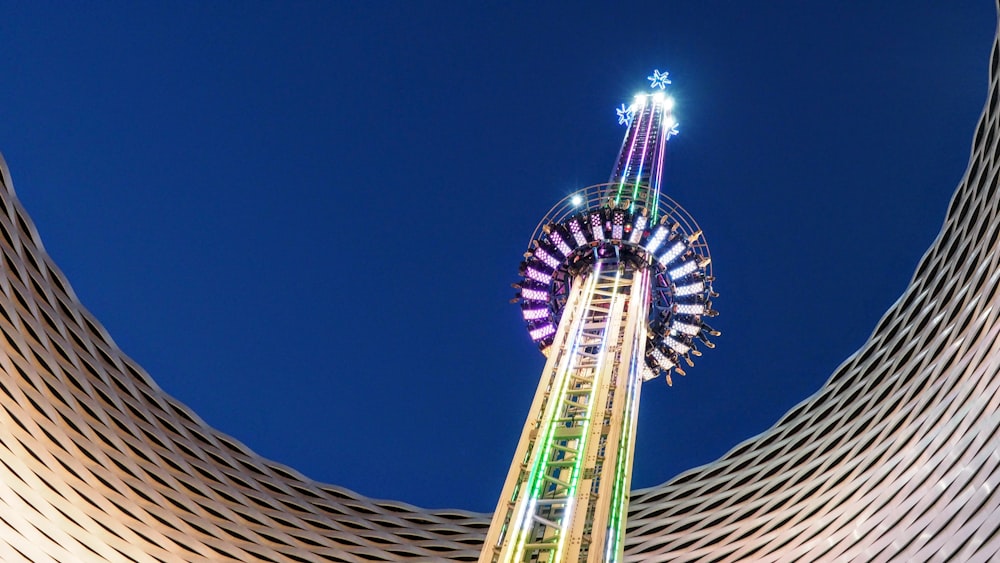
[538, 276]
[534, 294]
[542, 331]
[577, 231]
[596, 225]
[547, 258]
[534, 314]
[557, 240]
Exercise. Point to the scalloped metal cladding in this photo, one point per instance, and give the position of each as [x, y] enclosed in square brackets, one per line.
[895, 458]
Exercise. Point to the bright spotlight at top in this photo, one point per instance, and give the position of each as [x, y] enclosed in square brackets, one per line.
[576, 200]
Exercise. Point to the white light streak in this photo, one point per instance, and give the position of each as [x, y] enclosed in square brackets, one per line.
[674, 252]
[683, 270]
[690, 309]
[657, 239]
[637, 228]
[691, 289]
[676, 345]
[538, 276]
[685, 328]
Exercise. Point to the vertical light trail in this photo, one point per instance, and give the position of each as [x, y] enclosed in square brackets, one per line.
[582, 445]
[523, 523]
[645, 151]
[661, 149]
[631, 150]
[623, 470]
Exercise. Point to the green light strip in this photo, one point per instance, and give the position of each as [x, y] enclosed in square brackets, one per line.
[575, 479]
[642, 159]
[540, 465]
[616, 521]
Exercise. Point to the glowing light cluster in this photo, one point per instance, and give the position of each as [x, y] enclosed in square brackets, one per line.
[689, 309]
[535, 294]
[596, 225]
[691, 289]
[535, 314]
[625, 114]
[661, 359]
[685, 328]
[577, 231]
[542, 332]
[637, 228]
[672, 253]
[659, 79]
[683, 270]
[657, 238]
[676, 345]
[538, 275]
[557, 240]
[547, 258]
[568, 245]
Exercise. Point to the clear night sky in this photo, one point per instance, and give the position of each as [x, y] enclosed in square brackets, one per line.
[303, 219]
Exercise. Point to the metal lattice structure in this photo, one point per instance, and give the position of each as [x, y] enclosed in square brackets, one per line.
[895, 458]
[616, 286]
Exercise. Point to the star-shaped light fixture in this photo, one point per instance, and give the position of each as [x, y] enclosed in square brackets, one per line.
[625, 114]
[659, 79]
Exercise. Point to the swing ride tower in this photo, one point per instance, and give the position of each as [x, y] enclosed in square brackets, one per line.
[616, 286]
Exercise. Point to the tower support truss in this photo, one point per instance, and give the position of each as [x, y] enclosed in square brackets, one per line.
[566, 499]
[615, 287]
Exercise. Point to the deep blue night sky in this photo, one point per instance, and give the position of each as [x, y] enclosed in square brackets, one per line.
[303, 219]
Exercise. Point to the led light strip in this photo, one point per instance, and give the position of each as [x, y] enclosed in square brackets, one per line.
[523, 521]
[642, 158]
[631, 150]
[616, 520]
[582, 449]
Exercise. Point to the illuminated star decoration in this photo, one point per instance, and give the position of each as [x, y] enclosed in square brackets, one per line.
[659, 79]
[673, 130]
[625, 114]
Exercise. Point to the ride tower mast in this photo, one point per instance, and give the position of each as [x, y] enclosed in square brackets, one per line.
[616, 284]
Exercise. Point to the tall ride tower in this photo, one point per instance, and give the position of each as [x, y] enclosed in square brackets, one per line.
[616, 286]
